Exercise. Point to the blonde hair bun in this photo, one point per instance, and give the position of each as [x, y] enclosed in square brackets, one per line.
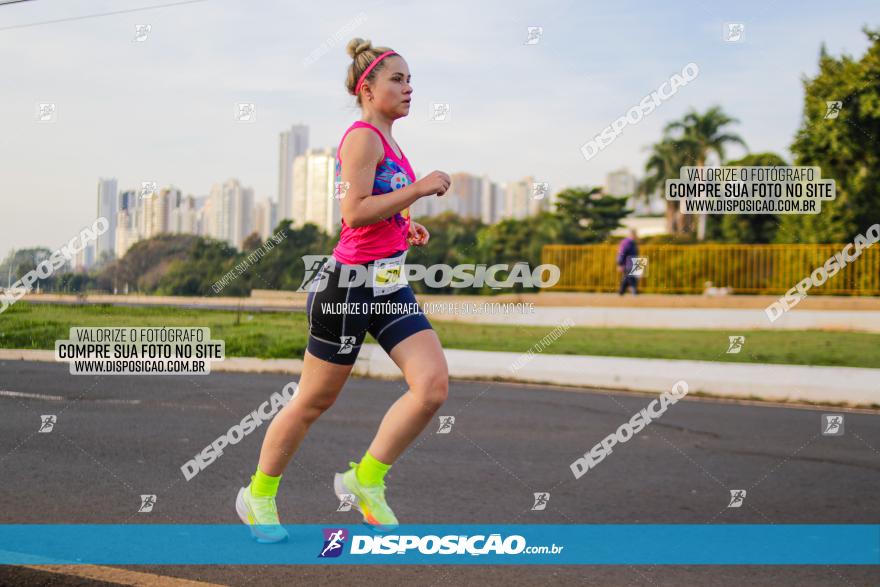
[357, 46]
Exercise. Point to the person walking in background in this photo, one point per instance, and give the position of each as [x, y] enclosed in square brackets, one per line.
[629, 248]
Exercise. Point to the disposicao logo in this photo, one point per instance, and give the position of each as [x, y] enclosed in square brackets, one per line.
[334, 542]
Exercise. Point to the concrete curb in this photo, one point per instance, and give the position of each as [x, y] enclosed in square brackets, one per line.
[762, 381]
[828, 385]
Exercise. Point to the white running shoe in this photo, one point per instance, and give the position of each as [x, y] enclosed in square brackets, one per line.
[261, 515]
[370, 500]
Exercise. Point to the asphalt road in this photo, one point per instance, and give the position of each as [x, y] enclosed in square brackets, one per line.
[118, 437]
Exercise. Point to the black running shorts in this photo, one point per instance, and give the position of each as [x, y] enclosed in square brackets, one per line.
[340, 314]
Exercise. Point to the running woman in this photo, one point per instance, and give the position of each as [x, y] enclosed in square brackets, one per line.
[379, 186]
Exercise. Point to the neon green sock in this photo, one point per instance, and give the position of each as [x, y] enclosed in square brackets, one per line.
[263, 485]
[371, 471]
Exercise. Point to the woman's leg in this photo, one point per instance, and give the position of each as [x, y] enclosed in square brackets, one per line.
[421, 359]
[319, 386]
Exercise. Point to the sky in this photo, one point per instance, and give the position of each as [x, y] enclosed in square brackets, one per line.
[162, 109]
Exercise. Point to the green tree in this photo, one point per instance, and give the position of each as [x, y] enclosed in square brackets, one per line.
[453, 242]
[207, 261]
[252, 242]
[18, 263]
[846, 148]
[145, 263]
[282, 267]
[746, 228]
[73, 282]
[584, 215]
[513, 241]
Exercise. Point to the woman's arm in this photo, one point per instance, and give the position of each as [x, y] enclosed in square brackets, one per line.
[361, 153]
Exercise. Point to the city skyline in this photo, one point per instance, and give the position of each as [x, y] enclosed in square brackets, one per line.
[231, 213]
[162, 109]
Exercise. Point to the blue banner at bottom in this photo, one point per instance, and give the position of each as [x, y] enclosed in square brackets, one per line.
[457, 544]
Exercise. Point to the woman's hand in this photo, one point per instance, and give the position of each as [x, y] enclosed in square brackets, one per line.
[435, 182]
[418, 235]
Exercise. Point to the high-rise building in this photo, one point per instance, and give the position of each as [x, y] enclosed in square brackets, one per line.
[518, 201]
[299, 192]
[106, 242]
[622, 183]
[492, 201]
[228, 212]
[292, 144]
[314, 190]
[469, 196]
[244, 217]
[466, 193]
[264, 217]
[156, 208]
[85, 258]
[426, 206]
[541, 198]
[199, 207]
[435, 205]
[128, 200]
[464, 198]
[182, 217]
[167, 211]
[128, 221]
[273, 215]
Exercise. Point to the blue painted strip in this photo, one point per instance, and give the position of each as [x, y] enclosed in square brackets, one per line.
[654, 544]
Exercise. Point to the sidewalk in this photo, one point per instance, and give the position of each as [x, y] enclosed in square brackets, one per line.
[825, 385]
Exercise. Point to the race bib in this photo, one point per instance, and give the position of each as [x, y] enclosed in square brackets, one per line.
[388, 276]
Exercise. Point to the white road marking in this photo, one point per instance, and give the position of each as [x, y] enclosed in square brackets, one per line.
[57, 398]
[30, 395]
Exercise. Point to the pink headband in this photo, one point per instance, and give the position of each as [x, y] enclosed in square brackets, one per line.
[357, 88]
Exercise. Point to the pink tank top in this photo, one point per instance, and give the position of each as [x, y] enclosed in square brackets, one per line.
[384, 238]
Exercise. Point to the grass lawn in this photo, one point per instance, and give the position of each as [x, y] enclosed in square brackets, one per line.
[283, 335]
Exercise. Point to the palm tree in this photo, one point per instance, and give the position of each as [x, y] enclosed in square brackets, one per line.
[666, 159]
[705, 132]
